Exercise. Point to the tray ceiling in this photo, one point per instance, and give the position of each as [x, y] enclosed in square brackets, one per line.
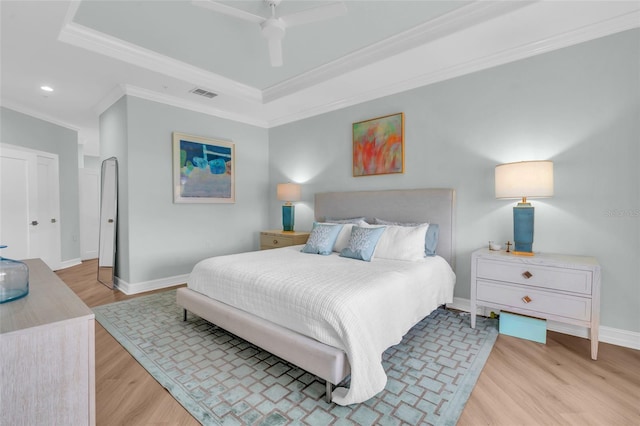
[93, 51]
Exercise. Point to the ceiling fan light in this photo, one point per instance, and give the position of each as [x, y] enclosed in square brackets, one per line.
[275, 53]
[273, 29]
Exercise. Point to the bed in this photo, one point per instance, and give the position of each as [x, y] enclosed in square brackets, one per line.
[347, 326]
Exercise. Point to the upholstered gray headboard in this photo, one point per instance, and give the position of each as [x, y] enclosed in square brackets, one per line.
[404, 205]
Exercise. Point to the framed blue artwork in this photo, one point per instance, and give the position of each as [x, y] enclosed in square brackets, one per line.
[203, 170]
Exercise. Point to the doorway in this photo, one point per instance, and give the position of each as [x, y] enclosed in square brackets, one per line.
[30, 204]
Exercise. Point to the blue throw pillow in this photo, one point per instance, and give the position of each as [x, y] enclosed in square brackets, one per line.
[322, 238]
[431, 239]
[362, 243]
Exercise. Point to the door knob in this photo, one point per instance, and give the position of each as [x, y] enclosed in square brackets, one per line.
[110, 221]
[53, 220]
[34, 223]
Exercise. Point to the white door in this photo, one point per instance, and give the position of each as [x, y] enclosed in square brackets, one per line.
[89, 213]
[29, 205]
[48, 213]
[17, 203]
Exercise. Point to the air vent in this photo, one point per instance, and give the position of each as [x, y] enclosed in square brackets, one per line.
[203, 92]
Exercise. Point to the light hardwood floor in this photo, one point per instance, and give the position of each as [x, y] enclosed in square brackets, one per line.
[523, 383]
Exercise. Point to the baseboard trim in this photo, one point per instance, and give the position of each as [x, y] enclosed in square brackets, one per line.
[69, 263]
[141, 287]
[614, 336]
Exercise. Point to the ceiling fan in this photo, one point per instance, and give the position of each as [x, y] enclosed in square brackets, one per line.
[274, 27]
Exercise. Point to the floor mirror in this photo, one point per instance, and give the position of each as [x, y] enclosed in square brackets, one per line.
[108, 222]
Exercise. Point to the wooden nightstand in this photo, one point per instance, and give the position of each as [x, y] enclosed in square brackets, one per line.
[277, 239]
[556, 287]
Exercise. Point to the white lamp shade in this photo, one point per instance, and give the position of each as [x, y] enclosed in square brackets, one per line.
[524, 179]
[288, 192]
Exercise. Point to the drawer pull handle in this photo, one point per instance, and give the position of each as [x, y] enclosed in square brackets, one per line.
[526, 299]
[527, 274]
[275, 241]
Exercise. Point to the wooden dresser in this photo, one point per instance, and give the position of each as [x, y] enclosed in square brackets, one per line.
[556, 287]
[276, 239]
[47, 355]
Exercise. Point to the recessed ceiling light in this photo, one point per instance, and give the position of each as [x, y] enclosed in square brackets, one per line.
[47, 88]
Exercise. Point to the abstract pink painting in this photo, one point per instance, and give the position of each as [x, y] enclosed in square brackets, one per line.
[378, 146]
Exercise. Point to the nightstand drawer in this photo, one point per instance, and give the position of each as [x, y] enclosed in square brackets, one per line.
[275, 241]
[536, 301]
[562, 279]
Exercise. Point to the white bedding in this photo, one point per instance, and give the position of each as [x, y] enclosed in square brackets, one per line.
[360, 307]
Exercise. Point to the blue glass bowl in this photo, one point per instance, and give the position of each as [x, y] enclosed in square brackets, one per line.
[14, 279]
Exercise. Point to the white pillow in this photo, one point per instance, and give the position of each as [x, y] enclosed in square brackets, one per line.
[356, 220]
[343, 237]
[402, 243]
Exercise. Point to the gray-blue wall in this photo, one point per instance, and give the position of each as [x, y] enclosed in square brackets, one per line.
[578, 106]
[114, 140]
[30, 132]
[158, 238]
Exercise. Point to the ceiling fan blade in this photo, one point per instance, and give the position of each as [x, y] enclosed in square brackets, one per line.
[228, 10]
[319, 13]
[275, 52]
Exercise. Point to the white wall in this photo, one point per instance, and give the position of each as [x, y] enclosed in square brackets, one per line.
[578, 106]
[160, 239]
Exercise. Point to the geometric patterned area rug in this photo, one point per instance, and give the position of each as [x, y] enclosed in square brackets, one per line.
[223, 380]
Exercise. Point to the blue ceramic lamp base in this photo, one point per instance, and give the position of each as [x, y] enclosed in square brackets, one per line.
[523, 215]
[288, 217]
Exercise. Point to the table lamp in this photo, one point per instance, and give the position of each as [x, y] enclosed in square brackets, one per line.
[288, 192]
[525, 179]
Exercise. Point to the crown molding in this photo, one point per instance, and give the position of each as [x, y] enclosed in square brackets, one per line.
[98, 42]
[618, 24]
[611, 26]
[474, 13]
[150, 95]
[111, 98]
[192, 106]
[36, 114]
[71, 12]
[449, 23]
[95, 41]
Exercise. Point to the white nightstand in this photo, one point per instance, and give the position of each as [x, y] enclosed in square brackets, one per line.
[277, 238]
[556, 287]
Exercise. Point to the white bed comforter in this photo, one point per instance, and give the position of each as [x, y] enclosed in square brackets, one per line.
[360, 307]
